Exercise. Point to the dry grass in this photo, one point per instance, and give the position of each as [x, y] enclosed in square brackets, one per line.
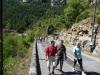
[23, 64]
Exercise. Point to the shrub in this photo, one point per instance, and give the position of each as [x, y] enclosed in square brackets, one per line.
[9, 45]
[8, 66]
[98, 18]
[30, 36]
[82, 16]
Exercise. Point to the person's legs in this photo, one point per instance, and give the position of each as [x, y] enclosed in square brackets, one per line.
[57, 62]
[61, 63]
[75, 61]
[81, 64]
[49, 64]
[53, 69]
[53, 62]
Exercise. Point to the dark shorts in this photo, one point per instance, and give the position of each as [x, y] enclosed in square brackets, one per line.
[60, 58]
[79, 61]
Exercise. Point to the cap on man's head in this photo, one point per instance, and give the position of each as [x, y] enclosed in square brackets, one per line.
[62, 41]
[52, 42]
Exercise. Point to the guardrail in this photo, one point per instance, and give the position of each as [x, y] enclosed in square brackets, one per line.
[38, 70]
[35, 65]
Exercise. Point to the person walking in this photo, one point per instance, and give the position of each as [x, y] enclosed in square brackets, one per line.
[50, 52]
[78, 57]
[61, 54]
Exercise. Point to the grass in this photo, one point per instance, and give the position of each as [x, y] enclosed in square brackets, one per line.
[23, 64]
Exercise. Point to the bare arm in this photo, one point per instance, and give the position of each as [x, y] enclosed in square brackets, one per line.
[46, 53]
[65, 55]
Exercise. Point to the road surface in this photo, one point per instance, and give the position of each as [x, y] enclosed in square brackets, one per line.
[90, 65]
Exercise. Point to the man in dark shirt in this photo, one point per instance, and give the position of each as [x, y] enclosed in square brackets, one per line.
[61, 54]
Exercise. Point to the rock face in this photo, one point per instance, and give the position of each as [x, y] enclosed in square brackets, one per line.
[82, 32]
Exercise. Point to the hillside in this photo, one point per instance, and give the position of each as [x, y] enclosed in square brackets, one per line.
[24, 22]
[81, 31]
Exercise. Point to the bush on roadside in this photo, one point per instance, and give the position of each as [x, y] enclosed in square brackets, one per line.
[13, 50]
[8, 66]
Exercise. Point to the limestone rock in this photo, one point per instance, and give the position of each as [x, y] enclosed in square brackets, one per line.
[81, 31]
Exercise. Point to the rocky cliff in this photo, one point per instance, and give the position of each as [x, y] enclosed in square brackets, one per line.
[81, 31]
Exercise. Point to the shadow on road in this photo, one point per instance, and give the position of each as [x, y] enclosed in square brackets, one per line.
[76, 73]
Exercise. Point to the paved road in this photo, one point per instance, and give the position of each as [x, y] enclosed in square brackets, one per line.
[44, 70]
[90, 65]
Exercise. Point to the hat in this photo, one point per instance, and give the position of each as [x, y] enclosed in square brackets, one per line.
[52, 41]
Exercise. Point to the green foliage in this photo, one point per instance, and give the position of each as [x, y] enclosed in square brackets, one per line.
[21, 16]
[14, 46]
[9, 46]
[8, 66]
[73, 9]
[98, 7]
[73, 3]
[32, 20]
[55, 11]
[41, 26]
[82, 16]
[29, 36]
[98, 19]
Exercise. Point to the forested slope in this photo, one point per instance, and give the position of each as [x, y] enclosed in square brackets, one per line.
[23, 22]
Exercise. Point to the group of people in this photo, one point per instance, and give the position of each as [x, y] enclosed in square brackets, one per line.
[56, 54]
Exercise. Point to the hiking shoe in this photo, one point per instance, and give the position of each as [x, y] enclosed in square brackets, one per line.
[83, 73]
[61, 71]
[73, 69]
[49, 73]
[53, 72]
